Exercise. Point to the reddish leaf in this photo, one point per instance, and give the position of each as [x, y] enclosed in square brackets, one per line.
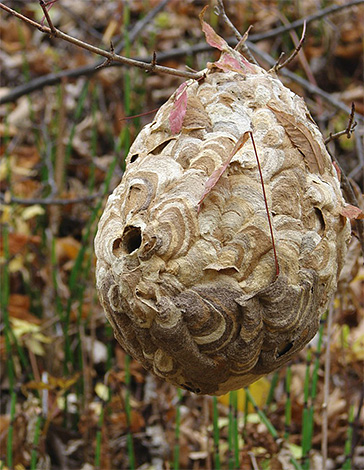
[179, 109]
[352, 212]
[229, 63]
[216, 175]
[212, 38]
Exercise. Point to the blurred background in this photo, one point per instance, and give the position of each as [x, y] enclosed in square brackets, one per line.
[70, 397]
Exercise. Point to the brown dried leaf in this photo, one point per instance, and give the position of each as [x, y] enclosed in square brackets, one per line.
[301, 138]
[212, 38]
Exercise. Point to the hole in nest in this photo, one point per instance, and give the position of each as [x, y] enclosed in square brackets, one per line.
[134, 157]
[285, 349]
[321, 220]
[129, 242]
[159, 149]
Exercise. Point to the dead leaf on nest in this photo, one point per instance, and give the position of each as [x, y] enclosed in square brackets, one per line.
[301, 138]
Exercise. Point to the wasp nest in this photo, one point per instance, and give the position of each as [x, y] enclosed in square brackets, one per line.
[191, 289]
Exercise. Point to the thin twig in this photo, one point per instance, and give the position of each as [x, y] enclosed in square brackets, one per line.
[96, 50]
[266, 206]
[108, 62]
[54, 78]
[243, 48]
[253, 460]
[48, 18]
[279, 65]
[304, 63]
[308, 19]
[349, 128]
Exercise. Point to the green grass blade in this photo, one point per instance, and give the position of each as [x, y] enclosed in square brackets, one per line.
[288, 407]
[349, 439]
[177, 431]
[9, 442]
[34, 453]
[216, 432]
[99, 440]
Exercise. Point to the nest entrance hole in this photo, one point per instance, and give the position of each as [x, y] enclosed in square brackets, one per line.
[129, 242]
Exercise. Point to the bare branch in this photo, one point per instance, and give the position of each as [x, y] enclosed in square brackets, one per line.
[96, 50]
[108, 62]
[310, 87]
[349, 128]
[308, 19]
[279, 65]
[242, 47]
[54, 78]
[49, 202]
[48, 18]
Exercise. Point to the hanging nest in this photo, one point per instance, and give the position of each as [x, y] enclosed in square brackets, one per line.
[186, 269]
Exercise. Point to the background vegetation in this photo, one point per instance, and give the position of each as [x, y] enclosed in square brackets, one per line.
[70, 397]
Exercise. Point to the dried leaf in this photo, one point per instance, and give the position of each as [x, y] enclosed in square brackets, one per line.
[216, 175]
[301, 138]
[229, 63]
[212, 38]
[352, 212]
[179, 109]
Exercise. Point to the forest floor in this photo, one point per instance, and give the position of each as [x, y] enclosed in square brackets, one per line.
[70, 397]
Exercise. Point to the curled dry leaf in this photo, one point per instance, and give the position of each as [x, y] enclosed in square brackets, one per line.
[301, 138]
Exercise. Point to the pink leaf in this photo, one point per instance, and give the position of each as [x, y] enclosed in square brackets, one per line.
[179, 109]
[352, 212]
[216, 175]
[229, 63]
[212, 38]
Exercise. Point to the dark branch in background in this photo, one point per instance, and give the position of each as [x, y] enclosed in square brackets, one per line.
[54, 78]
[315, 90]
[49, 201]
[298, 23]
[280, 65]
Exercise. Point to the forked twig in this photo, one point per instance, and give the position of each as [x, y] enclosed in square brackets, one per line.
[349, 128]
[47, 16]
[279, 65]
[242, 47]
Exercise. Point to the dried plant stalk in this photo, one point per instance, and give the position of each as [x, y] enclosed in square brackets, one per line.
[193, 294]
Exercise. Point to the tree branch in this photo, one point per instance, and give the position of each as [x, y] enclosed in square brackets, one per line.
[54, 78]
[244, 49]
[96, 50]
[280, 65]
[49, 201]
[308, 19]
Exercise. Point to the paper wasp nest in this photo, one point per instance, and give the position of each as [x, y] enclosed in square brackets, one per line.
[191, 290]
